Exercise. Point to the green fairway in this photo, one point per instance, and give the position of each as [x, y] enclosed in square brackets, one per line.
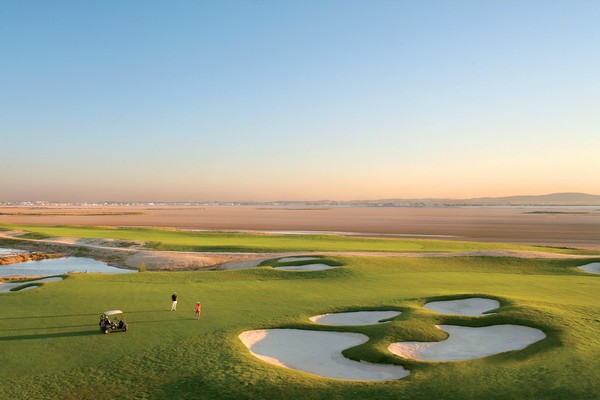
[50, 345]
[176, 240]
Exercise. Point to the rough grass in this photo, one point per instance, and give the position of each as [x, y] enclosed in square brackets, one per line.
[176, 240]
[50, 345]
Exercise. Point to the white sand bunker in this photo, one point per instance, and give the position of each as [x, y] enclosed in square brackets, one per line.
[293, 259]
[7, 286]
[593, 268]
[474, 306]
[354, 318]
[318, 353]
[307, 267]
[465, 343]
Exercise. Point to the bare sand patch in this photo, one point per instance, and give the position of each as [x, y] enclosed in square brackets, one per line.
[475, 306]
[293, 259]
[7, 286]
[466, 343]
[307, 267]
[354, 318]
[593, 268]
[318, 353]
[172, 260]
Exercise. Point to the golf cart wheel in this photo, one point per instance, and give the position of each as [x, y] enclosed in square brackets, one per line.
[125, 328]
[107, 330]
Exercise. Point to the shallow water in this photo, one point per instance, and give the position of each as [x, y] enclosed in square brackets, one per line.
[57, 266]
[6, 252]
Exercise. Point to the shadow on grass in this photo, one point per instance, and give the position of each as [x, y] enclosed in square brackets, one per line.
[49, 335]
[96, 314]
[44, 328]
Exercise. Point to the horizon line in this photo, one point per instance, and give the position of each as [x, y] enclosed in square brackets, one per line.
[294, 201]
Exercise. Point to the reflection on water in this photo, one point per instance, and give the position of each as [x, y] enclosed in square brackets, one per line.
[57, 266]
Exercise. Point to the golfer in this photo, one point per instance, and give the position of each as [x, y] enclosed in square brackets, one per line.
[198, 309]
[174, 303]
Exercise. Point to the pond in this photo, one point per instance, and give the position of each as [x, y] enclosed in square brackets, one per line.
[57, 266]
[8, 252]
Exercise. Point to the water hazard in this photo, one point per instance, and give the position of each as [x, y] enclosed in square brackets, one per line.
[9, 252]
[57, 266]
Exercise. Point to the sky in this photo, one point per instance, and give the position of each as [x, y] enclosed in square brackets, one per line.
[298, 100]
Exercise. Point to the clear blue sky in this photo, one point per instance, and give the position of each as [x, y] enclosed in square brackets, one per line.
[274, 100]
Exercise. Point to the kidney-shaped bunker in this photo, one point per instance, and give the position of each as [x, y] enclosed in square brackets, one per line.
[466, 343]
[318, 353]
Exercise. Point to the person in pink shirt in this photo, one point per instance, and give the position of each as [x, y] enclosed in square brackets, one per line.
[198, 309]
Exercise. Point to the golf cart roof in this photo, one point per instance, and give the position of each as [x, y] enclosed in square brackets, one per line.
[113, 312]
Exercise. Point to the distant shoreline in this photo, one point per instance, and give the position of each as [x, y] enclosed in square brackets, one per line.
[546, 200]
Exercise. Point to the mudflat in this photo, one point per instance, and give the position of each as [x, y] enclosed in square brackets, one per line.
[573, 227]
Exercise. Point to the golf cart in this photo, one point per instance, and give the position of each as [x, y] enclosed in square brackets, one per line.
[112, 321]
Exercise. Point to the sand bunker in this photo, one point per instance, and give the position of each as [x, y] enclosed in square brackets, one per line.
[354, 318]
[593, 268]
[474, 306]
[7, 286]
[293, 259]
[307, 267]
[318, 353]
[466, 343]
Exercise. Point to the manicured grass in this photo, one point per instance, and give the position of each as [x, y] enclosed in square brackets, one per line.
[174, 240]
[50, 345]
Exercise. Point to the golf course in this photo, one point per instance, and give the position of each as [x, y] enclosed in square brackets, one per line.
[52, 346]
[299, 200]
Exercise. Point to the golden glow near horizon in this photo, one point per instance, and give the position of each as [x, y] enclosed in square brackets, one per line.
[245, 103]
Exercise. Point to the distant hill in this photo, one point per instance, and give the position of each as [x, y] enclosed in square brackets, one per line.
[554, 199]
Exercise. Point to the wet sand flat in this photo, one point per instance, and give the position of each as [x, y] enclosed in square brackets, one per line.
[515, 224]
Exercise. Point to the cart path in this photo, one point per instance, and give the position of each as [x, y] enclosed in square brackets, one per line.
[134, 256]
